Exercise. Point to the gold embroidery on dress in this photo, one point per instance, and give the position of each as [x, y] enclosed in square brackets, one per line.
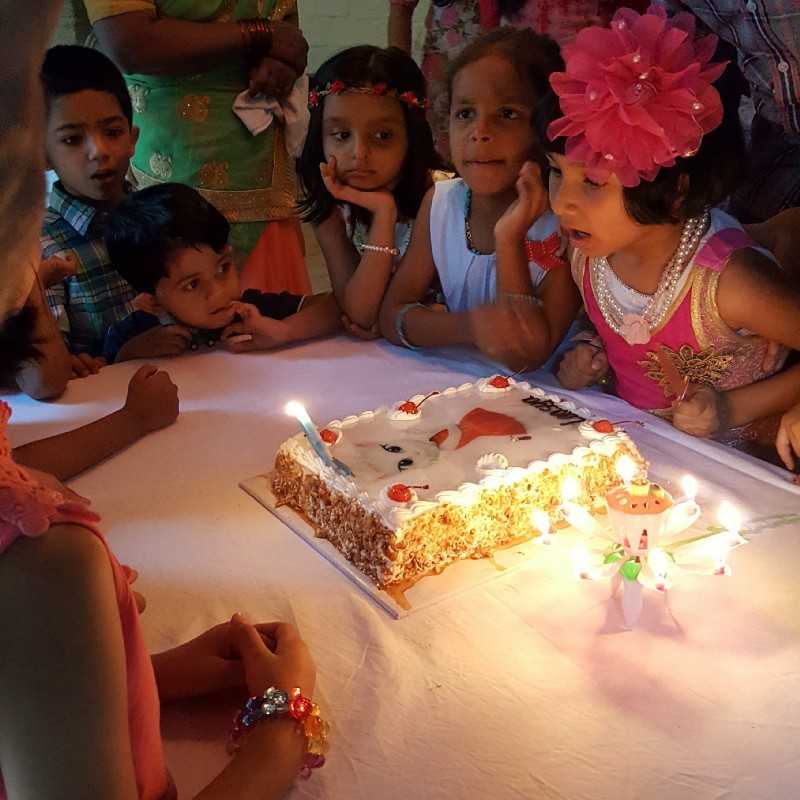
[194, 107]
[214, 175]
[138, 97]
[282, 9]
[703, 367]
[161, 166]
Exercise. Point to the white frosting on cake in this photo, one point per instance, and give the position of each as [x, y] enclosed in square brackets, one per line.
[378, 449]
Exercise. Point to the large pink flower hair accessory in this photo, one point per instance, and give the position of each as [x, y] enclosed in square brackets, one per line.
[636, 95]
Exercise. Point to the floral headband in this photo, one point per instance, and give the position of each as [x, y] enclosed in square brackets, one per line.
[377, 89]
[637, 95]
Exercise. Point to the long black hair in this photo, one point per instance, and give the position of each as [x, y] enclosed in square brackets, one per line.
[366, 66]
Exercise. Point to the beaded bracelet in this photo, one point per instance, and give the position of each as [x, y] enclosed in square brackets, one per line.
[378, 248]
[275, 702]
[398, 324]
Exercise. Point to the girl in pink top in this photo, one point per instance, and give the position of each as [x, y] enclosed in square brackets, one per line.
[683, 302]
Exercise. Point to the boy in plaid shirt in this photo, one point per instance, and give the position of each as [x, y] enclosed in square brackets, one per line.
[89, 142]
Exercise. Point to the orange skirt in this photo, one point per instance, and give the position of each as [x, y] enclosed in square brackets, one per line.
[278, 261]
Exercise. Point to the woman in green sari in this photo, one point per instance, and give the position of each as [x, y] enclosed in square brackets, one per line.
[185, 61]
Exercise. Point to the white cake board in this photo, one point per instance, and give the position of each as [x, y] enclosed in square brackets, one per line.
[457, 578]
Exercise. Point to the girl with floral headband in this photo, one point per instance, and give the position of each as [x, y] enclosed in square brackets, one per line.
[487, 235]
[365, 168]
[640, 153]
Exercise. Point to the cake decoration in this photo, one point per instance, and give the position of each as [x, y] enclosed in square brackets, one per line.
[329, 436]
[479, 422]
[491, 461]
[554, 409]
[410, 409]
[402, 493]
[499, 384]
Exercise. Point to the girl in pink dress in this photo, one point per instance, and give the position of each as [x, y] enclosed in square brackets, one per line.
[684, 303]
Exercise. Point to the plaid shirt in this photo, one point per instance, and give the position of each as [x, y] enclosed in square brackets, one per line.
[766, 35]
[87, 303]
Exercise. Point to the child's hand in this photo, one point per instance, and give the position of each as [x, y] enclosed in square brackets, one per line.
[787, 442]
[379, 201]
[158, 342]
[582, 366]
[273, 654]
[55, 269]
[360, 333]
[84, 365]
[531, 203]
[253, 331]
[701, 412]
[152, 400]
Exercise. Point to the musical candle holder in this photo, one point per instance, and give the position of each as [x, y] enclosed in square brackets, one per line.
[645, 540]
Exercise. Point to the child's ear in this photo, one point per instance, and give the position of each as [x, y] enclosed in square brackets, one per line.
[147, 302]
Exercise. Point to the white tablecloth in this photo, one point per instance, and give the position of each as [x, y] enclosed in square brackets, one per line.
[524, 688]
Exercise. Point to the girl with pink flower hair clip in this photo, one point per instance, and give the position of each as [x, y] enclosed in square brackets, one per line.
[641, 151]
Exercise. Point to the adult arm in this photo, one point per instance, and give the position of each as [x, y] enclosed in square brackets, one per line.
[398, 33]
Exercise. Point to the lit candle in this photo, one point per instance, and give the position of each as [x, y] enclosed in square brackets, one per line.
[659, 564]
[541, 522]
[728, 516]
[690, 486]
[626, 468]
[298, 411]
[576, 515]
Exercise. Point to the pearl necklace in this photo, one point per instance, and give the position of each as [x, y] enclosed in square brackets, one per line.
[637, 328]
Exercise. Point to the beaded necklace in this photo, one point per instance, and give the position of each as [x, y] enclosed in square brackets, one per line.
[638, 328]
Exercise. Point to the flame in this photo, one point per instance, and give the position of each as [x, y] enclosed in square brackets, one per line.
[690, 486]
[581, 563]
[729, 517]
[540, 521]
[659, 563]
[626, 468]
[295, 409]
[570, 489]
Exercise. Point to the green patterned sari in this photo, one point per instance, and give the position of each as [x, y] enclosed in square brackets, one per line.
[189, 133]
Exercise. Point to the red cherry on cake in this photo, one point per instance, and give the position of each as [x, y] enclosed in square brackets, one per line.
[400, 493]
[499, 382]
[408, 407]
[328, 436]
[603, 426]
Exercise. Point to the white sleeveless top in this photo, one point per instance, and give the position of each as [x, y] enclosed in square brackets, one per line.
[470, 279]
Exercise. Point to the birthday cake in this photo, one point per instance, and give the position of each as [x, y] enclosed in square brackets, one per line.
[453, 475]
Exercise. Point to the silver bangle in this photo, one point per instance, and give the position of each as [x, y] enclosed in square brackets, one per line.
[398, 324]
[524, 298]
[378, 248]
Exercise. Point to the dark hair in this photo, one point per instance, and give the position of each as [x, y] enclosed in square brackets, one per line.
[535, 57]
[365, 66]
[17, 343]
[694, 183]
[69, 68]
[149, 226]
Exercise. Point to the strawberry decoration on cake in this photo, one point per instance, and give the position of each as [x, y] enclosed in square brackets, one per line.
[330, 437]
[409, 410]
[597, 428]
[402, 494]
[497, 384]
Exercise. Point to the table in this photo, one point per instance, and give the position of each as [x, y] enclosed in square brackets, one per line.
[523, 688]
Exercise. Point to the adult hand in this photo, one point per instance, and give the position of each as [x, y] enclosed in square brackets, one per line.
[702, 412]
[55, 269]
[272, 78]
[158, 342]
[273, 654]
[377, 202]
[84, 365]
[531, 203]
[289, 45]
[152, 401]
[503, 332]
[582, 366]
[787, 441]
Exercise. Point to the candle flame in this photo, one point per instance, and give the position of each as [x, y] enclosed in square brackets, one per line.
[570, 489]
[658, 561]
[729, 517]
[626, 468]
[540, 521]
[690, 486]
[294, 409]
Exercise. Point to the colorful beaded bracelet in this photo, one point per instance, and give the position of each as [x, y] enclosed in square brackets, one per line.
[275, 702]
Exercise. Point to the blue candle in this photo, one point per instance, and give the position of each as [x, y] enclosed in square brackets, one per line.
[298, 411]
